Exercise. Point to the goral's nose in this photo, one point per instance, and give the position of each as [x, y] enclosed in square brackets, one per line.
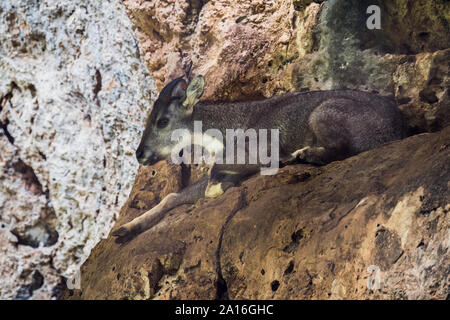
[139, 155]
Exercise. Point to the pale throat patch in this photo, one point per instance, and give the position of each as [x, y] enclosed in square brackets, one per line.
[210, 143]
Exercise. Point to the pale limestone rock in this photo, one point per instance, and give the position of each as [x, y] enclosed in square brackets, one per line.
[74, 98]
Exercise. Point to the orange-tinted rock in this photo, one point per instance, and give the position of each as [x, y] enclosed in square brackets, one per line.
[255, 49]
[305, 233]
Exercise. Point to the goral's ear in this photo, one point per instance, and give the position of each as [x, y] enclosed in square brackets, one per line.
[179, 89]
[174, 89]
[194, 91]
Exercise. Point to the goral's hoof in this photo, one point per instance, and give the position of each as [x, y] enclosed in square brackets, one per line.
[121, 232]
[214, 190]
[300, 154]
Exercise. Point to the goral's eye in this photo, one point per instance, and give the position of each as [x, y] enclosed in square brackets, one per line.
[162, 123]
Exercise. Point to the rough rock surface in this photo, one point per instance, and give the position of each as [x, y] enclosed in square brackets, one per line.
[74, 94]
[306, 233]
[73, 97]
[258, 48]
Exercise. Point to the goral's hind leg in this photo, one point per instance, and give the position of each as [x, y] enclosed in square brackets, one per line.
[150, 218]
[315, 155]
[329, 126]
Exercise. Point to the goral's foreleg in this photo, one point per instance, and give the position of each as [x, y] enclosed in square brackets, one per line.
[150, 218]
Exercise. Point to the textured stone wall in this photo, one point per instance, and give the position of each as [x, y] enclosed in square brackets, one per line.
[74, 95]
[258, 48]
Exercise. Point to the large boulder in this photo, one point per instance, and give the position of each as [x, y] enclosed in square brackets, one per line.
[73, 99]
[306, 233]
